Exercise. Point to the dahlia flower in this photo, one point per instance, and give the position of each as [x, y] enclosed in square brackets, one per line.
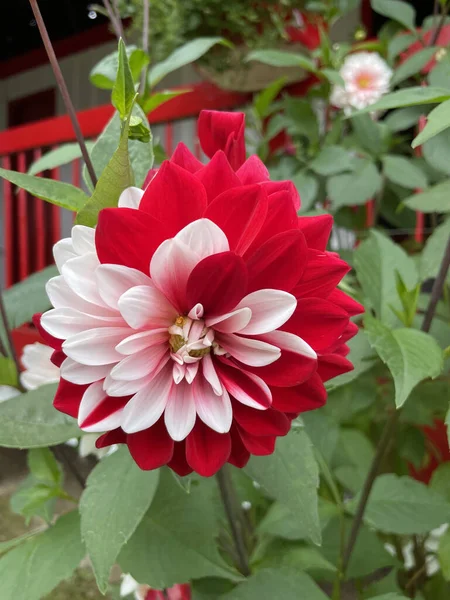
[366, 77]
[201, 316]
[144, 592]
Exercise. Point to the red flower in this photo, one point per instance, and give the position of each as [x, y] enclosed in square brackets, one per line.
[202, 315]
[442, 40]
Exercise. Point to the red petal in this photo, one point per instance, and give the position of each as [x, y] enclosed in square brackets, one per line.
[232, 376]
[316, 230]
[58, 357]
[206, 450]
[179, 463]
[239, 456]
[317, 321]
[260, 422]
[332, 365]
[107, 407]
[341, 299]
[307, 396]
[290, 369]
[240, 214]
[219, 130]
[151, 448]
[288, 187]
[149, 177]
[129, 237]
[53, 342]
[259, 446]
[68, 397]
[175, 197]
[322, 274]
[218, 282]
[116, 436]
[253, 171]
[183, 157]
[279, 263]
[340, 345]
[217, 176]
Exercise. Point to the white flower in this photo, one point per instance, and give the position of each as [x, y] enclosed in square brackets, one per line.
[131, 586]
[7, 392]
[366, 76]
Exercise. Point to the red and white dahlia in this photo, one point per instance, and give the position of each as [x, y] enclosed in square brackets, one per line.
[200, 316]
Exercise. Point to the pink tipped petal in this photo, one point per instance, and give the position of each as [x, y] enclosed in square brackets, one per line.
[116, 388]
[95, 346]
[63, 251]
[247, 388]
[83, 239]
[183, 157]
[269, 309]
[217, 176]
[231, 322]
[206, 450]
[140, 364]
[316, 230]
[204, 238]
[174, 197]
[64, 322]
[253, 171]
[218, 130]
[215, 411]
[180, 413]
[130, 197]
[218, 282]
[114, 280]
[82, 374]
[210, 374]
[255, 353]
[146, 306]
[139, 341]
[145, 408]
[240, 212]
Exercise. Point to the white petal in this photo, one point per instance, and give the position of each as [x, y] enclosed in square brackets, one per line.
[242, 395]
[146, 306]
[170, 268]
[116, 388]
[82, 374]
[61, 323]
[270, 309]
[83, 239]
[289, 341]
[210, 374]
[196, 312]
[37, 356]
[128, 585]
[61, 296]
[191, 371]
[254, 353]
[63, 251]
[180, 413]
[145, 408]
[115, 280]
[232, 321]
[215, 411]
[7, 392]
[79, 274]
[92, 398]
[130, 197]
[96, 346]
[143, 339]
[204, 238]
[140, 364]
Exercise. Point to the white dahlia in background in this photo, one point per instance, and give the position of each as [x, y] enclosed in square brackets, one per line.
[7, 392]
[38, 371]
[144, 592]
[366, 77]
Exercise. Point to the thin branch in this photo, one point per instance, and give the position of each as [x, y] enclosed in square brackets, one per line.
[63, 89]
[145, 34]
[12, 349]
[115, 20]
[119, 19]
[440, 25]
[60, 452]
[231, 506]
[436, 292]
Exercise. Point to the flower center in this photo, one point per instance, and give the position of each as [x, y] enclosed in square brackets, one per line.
[364, 81]
[190, 339]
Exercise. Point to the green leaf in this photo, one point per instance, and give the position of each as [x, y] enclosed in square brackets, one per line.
[413, 65]
[139, 131]
[60, 156]
[30, 421]
[399, 11]
[300, 119]
[10, 544]
[447, 423]
[410, 96]
[123, 93]
[392, 596]
[184, 55]
[116, 177]
[264, 99]
[280, 58]
[108, 518]
[403, 118]
[440, 480]
[332, 160]
[334, 77]
[141, 155]
[404, 172]
[308, 187]
[281, 553]
[376, 261]
[28, 297]
[159, 98]
[184, 525]
[35, 567]
[434, 199]
[103, 75]
[398, 44]
[361, 356]
[431, 257]
[355, 188]
[288, 584]
[8, 372]
[368, 132]
[32, 499]
[437, 120]
[410, 355]
[44, 467]
[439, 75]
[403, 506]
[291, 476]
[62, 194]
[444, 554]
[436, 151]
